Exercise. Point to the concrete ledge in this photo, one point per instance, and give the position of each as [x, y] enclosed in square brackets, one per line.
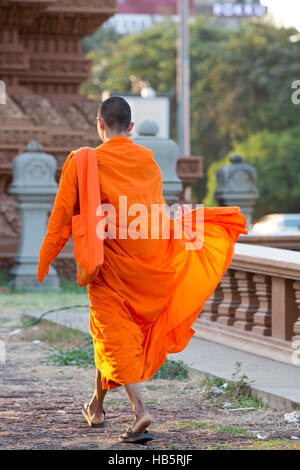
[247, 341]
[277, 384]
[276, 402]
[266, 260]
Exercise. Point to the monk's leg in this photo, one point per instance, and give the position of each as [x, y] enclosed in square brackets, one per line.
[95, 409]
[143, 418]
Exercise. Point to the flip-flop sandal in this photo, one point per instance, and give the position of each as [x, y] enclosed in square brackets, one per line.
[84, 411]
[140, 438]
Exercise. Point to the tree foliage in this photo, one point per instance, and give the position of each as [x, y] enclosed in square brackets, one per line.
[240, 90]
[150, 55]
[276, 157]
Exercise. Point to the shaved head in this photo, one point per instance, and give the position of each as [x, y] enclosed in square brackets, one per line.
[116, 113]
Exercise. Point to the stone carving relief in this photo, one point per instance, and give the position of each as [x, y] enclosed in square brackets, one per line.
[13, 136]
[45, 34]
[68, 141]
[89, 109]
[21, 12]
[72, 24]
[66, 268]
[9, 217]
[64, 67]
[241, 179]
[72, 115]
[11, 110]
[40, 110]
[5, 179]
[6, 264]
[37, 173]
[17, 60]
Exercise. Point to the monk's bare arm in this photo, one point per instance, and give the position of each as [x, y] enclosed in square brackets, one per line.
[60, 221]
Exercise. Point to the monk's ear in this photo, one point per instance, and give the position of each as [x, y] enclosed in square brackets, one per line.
[101, 123]
[130, 127]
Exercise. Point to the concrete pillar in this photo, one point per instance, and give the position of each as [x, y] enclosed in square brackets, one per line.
[237, 186]
[34, 188]
[166, 154]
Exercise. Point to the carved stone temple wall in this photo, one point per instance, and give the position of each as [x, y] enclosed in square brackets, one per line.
[42, 66]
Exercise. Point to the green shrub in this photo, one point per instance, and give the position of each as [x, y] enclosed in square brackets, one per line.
[172, 370]
[81, 356]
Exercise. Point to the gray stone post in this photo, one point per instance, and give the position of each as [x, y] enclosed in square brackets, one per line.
[34, 187]
[237, 186]
[166, 154]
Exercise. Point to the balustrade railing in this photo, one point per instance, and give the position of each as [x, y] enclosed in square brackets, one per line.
[256, 306]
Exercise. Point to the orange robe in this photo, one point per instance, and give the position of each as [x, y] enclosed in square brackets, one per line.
[148, 292]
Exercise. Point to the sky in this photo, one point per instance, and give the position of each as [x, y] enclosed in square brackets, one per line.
[285, 12]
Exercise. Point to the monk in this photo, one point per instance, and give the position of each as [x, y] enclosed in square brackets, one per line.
[149, 290]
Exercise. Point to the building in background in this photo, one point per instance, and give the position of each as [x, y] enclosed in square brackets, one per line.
[156, 108]
[41, 70]
[155, 7]
[137, 15]
[237, 8]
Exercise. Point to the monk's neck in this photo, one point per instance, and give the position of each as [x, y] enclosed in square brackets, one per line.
[111, 135]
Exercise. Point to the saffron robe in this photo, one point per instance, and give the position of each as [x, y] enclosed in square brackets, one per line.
[148, 292]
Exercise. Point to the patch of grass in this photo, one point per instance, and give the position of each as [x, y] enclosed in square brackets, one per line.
[213, 382]
[114, 402]
[251, 402]
[238, 391]
[80, 357]
[153, 387]
[5, 279]
[172, 370]
[40, 301]
[174, 447]
[191, 424]
[72, 286]
[52, 333]
[274, 444]
[65, 284]
[234, 431]
[27, 321]
[240, 386]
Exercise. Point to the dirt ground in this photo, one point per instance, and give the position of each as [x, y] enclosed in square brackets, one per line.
[40, 409]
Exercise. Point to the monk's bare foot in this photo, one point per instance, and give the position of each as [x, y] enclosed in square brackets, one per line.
[96, 416]
[137, 431]
[141, 422]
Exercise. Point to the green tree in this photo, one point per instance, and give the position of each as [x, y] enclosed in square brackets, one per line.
[245, 86]
[275, 155]
[240, 81]
[103, 36]
[150, 55]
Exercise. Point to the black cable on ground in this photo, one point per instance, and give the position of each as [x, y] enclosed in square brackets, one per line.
[56, 310]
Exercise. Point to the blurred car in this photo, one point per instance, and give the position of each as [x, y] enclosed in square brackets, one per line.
[277, 223]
